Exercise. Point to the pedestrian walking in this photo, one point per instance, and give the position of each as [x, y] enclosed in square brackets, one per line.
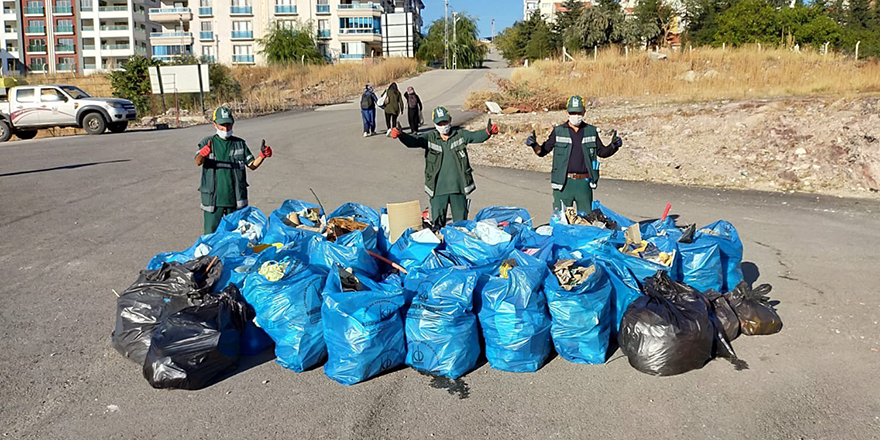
[224, 158]
[448, 175]
[576, 148]
[413, 109]
[368, 110]
[393, 107]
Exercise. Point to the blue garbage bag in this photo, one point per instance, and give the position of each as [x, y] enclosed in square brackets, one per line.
[348, 251]
[660, 228]
[530, 242]
[278, 231]
[363, 214]
[476, 251]
[729, 244]
[514, 317]
[235, 270]
[701, 266]
[289, 311]
[254, 340]
[622, 221]
[226, 246]
[582, 316]
[363, 329]
[441, 328]
[413, 248]
[248, 222]
[575, 237]
[509, 214]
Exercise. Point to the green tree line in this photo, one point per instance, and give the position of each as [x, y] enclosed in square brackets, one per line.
[841, 23]
[466, 44]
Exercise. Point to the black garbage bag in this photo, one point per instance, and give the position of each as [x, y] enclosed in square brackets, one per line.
[155, 296]
[670, 330]
[197, 344]
[752, 306]
[725, 314]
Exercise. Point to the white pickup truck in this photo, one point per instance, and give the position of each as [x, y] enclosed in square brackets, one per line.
[28, 108]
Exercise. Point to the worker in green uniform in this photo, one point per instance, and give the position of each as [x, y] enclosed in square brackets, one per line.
[576, 148]
[223, 158]
[449, 177]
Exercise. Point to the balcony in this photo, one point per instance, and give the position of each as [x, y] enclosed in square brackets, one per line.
[88, 47]
[164, 15]
[65, 48]
[285, 9]
[241, 10]
[87, 66]
[37, 68]
[63, 10]
[324, 34]
[115, 46]
[87, 28]
[171, 38]
[242, 59]
[206, 35]
[86, 7]
[360, 10]
[206, 11]
[37, 49]
[323, 9]
[242, 35]
[64, 29]
[368, 35]
[118, 27]
[351, 56]
[35, 11]
[114, 11]
[65, 67]
[8, 11]
[35, 30]
[208, 58]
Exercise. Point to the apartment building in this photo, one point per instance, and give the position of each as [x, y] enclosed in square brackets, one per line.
[549, 9]
[226, 31]
[83, 36]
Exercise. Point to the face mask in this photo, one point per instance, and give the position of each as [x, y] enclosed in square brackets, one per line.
[444, 129]
[575, 119]
[224, 134]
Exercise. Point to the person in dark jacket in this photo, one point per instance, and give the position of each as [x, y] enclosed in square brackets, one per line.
[414, 109]
[368, 110]
[393, 107]
[576, 148]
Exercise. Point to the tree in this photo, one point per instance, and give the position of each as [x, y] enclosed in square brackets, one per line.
[284, 45]
[748, 21]
[467, 47]
[656, 20]
[540, 44]
[132, 82]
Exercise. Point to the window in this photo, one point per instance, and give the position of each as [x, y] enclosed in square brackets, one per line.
[207, 26]
[285, 2]
[66, 60]
[241, 2]
[241, 25]
[323, 25]
[75, 92]
[205, 3]
[208, 51]
[360, 25]
[287, 24]
[52, 95]
[65, 24]
[65, 41]
[35, 4]
[27, 95]
[242, 50]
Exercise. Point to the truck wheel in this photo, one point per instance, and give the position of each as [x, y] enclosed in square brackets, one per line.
[5, 131]
[30, 134]
[94, 123]
[118, 127]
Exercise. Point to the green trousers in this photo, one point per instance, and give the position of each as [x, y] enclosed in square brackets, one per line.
[441, 201]
[575, 191]
[212, 219]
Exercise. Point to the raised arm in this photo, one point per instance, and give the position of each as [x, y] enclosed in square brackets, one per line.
[411, 141]
[603, 150]
[544, 149]
[475, 137]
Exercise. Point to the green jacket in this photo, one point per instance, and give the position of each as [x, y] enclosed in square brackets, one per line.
[561, 144]
[433, 145]
[240, 157]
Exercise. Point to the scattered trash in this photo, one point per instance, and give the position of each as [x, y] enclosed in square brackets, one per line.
[112, 408]
[570, 275]
[273, 270]
[648, 251]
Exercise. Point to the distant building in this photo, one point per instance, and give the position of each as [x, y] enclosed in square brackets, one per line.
[549, 9]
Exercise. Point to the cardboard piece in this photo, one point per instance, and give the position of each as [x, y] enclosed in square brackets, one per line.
[402, 216]
[633, 234]
[493, 107]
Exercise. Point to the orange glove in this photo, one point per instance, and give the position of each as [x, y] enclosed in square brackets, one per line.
[206, 150]
[265, 150]
[395, 133]
[492, 130]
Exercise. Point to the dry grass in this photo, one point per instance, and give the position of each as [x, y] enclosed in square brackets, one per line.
[703, 74]
[268, 89]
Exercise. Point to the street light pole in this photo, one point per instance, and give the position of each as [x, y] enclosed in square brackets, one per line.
[454, 41]
[446, 38]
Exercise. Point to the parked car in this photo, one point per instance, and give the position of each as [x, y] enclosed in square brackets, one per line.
[25, 109]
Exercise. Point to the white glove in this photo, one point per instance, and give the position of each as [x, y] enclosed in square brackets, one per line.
[594, 185]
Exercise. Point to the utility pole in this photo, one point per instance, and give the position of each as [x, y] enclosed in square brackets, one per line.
[493, 31]
[455, 41]
[446, 38]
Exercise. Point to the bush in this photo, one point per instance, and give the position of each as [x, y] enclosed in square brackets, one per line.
[132, 82]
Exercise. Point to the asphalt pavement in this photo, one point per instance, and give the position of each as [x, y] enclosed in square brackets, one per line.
[82, 215]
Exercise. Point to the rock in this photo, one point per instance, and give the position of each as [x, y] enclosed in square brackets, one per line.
[656, 56]
[689, 76]
[148, 120]
[788, 176]
[711, 73]
[510, 110]
[800, 151]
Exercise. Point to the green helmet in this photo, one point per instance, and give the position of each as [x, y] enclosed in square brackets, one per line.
[575, 104]
[222, 115]
[440, 114]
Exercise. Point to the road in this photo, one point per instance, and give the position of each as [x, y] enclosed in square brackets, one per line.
[81, 215]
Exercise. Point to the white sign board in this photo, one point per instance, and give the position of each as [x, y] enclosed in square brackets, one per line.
[180, 79]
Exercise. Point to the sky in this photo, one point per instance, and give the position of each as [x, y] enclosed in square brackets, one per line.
[505, 12]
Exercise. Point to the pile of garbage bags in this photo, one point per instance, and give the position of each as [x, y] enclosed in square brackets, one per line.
[333, 290]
